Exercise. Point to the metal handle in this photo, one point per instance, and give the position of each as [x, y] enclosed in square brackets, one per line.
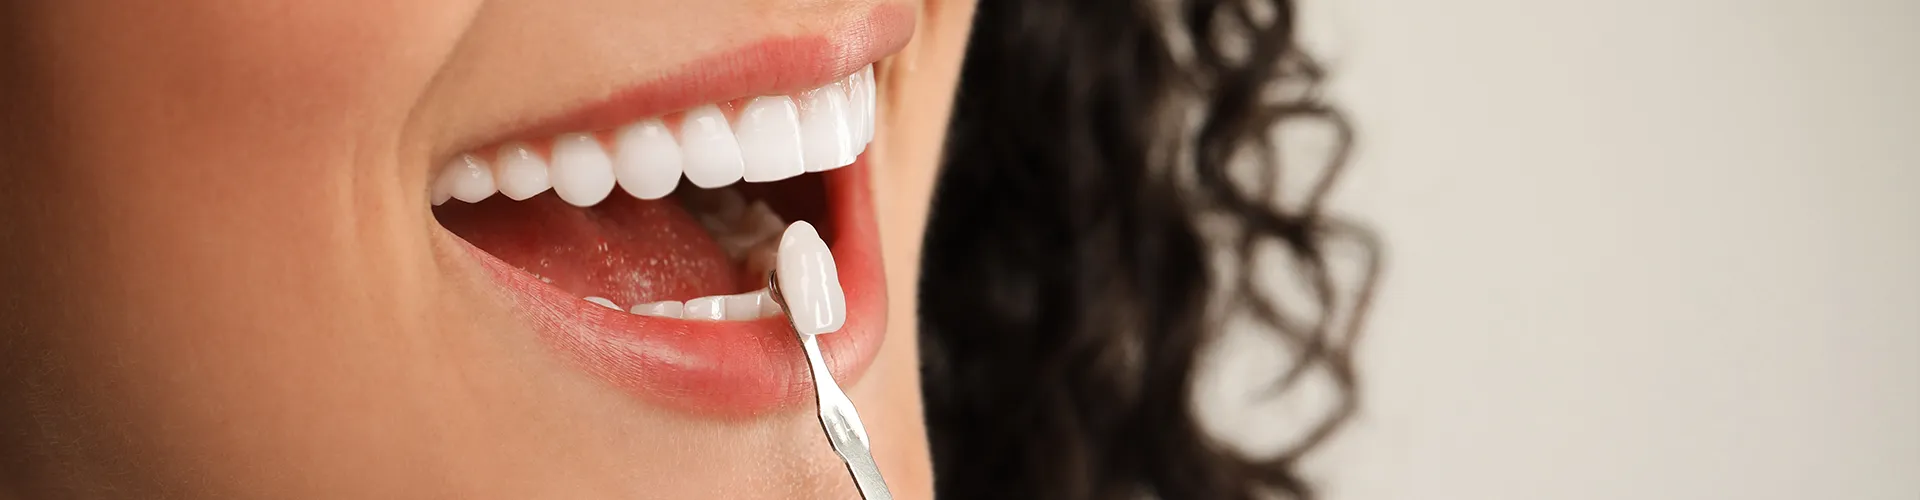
[844, 431]
[837, 416]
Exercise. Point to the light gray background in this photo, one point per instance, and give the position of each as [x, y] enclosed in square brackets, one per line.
[1639, 249]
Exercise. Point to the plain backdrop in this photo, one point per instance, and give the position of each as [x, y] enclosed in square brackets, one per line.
[1638, 249]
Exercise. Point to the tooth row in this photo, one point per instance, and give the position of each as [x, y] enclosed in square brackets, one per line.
[772, 138]
[739, 307]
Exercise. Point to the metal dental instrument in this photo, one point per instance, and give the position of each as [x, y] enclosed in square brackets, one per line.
[842, 424]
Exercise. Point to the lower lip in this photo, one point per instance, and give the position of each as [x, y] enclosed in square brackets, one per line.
[719, 368]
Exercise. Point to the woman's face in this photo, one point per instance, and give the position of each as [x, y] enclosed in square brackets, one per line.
[226, 274]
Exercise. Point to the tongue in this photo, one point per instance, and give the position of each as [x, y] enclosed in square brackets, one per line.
[625, 249]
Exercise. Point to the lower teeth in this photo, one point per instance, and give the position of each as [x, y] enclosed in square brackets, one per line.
[737, 307]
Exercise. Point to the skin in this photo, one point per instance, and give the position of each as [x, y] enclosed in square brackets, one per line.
[222, 279]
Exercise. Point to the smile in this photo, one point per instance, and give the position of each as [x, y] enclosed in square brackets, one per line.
[635, 235]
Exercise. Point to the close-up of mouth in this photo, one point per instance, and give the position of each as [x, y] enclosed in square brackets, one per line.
[958, 249]
[639, 242]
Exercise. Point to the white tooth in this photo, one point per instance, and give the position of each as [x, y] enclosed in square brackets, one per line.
[582, 171]
[707, 308]
[664, 309]
[603, 301]
[468, 178]
[519, 172]
[646, 160]
[858, 92]
[769, 308]
[873, 104]
[862, 92]
[769, 133]
[747, 306]
[440, 194]
[826, 125]
[707, 144]
[810, 282]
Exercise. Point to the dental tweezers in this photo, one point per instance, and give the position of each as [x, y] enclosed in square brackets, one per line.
[842, 423]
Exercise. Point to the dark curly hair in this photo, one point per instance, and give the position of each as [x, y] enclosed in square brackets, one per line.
[1069, 283]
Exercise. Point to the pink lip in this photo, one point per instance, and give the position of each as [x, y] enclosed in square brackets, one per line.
[772, 66]
[729, 368]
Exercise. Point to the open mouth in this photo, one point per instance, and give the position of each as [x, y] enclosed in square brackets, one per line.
[673, 216]
[643, 250]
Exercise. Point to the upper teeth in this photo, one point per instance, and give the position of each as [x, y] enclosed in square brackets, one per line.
[771, 138]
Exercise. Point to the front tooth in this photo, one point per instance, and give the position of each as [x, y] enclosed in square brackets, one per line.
[582, 172]
[521, 173]
[646, 160]
[809, 281]
[468, 178]
[747, 306]
[769, 132]
[769, 308]
[707, 144]
[707, 308]
[603, 301]
[664, 309]
[827, 128]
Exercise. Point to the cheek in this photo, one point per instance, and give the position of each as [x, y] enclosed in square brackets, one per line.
[192, 138]
[286, 79]
[203, 129]
[190, 151]
[918, 101]
[202, 92]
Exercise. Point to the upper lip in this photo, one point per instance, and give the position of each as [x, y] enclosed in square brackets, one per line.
[728, 368]
[770, 66]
